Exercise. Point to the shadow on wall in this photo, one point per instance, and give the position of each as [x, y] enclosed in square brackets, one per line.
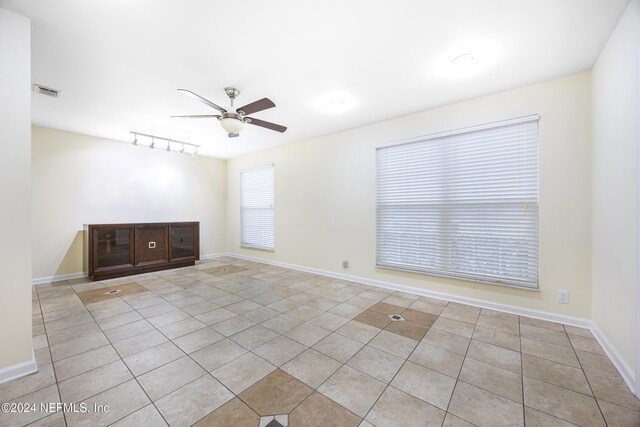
[73, 260]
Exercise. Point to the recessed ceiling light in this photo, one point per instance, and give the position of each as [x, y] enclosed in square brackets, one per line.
[335, 103]
[465, 60]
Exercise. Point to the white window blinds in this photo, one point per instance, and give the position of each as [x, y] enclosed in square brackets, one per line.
[462, 204]
[256, 208]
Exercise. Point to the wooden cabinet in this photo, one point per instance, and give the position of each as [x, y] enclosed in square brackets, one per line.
[116, 250]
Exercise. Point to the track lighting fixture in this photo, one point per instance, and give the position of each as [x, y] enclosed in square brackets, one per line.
[152, 145]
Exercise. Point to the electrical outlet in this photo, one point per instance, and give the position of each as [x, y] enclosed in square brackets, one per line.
[562, 296]
[345, 263]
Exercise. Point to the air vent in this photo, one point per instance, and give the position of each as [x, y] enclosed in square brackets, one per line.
[43, 90]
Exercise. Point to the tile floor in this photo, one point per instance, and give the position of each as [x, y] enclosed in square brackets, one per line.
[236, 343]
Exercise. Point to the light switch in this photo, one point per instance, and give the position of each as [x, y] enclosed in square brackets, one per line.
[152, 245]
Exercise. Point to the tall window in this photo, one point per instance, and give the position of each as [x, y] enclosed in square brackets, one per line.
[462, 204]
[256, 208]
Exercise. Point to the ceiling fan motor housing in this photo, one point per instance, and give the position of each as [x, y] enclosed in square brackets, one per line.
[232, 93]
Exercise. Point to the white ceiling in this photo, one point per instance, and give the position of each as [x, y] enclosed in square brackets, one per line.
[118, 63]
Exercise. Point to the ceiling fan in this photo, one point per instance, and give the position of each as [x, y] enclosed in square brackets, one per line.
[233, 119]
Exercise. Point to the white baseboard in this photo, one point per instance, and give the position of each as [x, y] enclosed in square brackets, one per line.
[51, 279]
[18, 370]
[538, 314]
[80, 275]
[623, 368]
[213, 256]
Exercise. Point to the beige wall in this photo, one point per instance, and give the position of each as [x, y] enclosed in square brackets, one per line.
[615, 177]
[15, 189]
[325, 194]
[79, 179]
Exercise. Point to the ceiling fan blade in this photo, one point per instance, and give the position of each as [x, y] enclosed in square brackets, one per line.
[197, 116]
[259, 105]
[268, 125]
[234, 135]
[201, 99]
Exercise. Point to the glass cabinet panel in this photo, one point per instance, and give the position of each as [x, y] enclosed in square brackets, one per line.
[182, 241]
[113, 247]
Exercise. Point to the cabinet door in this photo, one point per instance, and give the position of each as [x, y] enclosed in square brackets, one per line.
[184, 241]
[151, 245]
[112, 248]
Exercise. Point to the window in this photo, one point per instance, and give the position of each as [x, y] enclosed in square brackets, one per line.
[256, 208]
[462, 204]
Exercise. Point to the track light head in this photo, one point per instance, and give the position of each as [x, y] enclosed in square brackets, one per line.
[184, 146]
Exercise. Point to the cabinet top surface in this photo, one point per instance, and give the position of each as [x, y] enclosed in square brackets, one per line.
[133, 224]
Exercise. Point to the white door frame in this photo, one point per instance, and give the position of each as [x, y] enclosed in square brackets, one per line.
[637, 373]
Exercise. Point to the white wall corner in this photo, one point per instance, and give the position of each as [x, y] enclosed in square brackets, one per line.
[19, 370]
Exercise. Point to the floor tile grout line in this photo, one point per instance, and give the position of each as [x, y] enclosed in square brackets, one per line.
[566, 365]
[206, 370]
[522, 375]
[556, 385]
[133, 377]
[55, 377]
[521, 363]
[587, 378]
[315, 390]
[458, 377]
[387, 385]
[248, 350]
[301, 290]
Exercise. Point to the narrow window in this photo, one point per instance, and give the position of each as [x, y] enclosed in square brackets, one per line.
[257, 208]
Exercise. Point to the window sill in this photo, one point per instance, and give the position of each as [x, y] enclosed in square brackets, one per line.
[427, 272]
[257, 248]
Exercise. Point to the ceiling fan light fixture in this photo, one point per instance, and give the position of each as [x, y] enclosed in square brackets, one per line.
[231, 125]
[233, 119]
